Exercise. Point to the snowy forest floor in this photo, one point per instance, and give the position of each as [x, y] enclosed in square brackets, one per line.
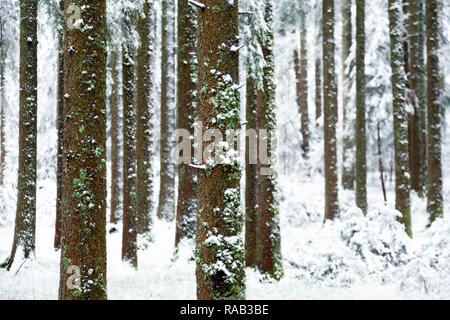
[321, 261]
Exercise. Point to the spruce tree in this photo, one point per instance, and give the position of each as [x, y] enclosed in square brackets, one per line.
[330, 111]
[435, 204]
[220, 249]
[145, 117]
[25, 224]
[401, 147]
[186, 103]
[83, 241]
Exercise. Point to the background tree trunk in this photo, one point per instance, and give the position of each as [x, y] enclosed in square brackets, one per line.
[303, 86]
[84, 166]
[166, 206]
[435, 205]
[186, 101]
[360, 127]
[145, 117]
[330, 111]
[2, 103]
[220, 219]
[25, 225]
[401, 150]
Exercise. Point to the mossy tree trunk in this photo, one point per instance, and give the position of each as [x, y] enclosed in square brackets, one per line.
[220, 248]
[435, 205]
[330, 110]
[186, 104]
[84, 167]
[166, 206]
[401, 147]
[145, 118]
[360, 125]
[25, 225]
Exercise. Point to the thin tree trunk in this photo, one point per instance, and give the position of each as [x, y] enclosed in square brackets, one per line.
[220, 249]
[251, 175]
[435, 205]
[84, 167]
[269, 238]
[401, 147]
[25, 225]
[417, 96]
[129, 235]
[115, 140]
[380, 163]
[2, 103]
[360, 127]
[145, 116]
[186, 100]
[348, 143]
[318, 68]
[60, 128]
[330, 111]
[303, 86]
[166, 206]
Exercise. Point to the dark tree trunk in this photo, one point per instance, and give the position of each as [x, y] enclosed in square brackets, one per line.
[220, 219]
[84, 166]
[302, 87]
[25, 225]
[145, 116]
[435, 205]
[318, 67]
[360, 126]
[269, 238]
[330, 111]
[401, 147]
[186, 99]
[2, 103]
[166, 206]
[60, 128]
[129, 236]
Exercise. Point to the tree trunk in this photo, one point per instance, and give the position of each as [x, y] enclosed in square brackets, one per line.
[302, 91]
[269, 238]
[318, 69]
[220, 249]
[251, 175]
[115, 139]
[84, 166]
[25, 225]
[330, 111]
[2, 104]
[145, 116]
[60, 128]
[348, 143]
[435, 205]
[129, 239]
[360, 127]
[401, 148]
[166, 206]
[417, 83]
[186, 101]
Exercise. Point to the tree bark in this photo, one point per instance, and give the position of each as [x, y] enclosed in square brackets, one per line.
[84, 166]
[145, 116]
[435, 203]
[401, 148]
[360, 127]
[330, 111]
[220, 249]
[186, 102]
[2, 104]
[25, 224]
[166, 206]
[302, 86]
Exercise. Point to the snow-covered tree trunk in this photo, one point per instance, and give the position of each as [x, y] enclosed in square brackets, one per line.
[25, 225]
[2, 102]
[166, 206]
[220, 249]
[129, 246]
[269, 238]
[417, 96]
[401, 138]
[83, 247]
[145, 117]
[186, 104]
[435, 205]
[302, 85]
[348, 143]
[360, 124]
[330, 111]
